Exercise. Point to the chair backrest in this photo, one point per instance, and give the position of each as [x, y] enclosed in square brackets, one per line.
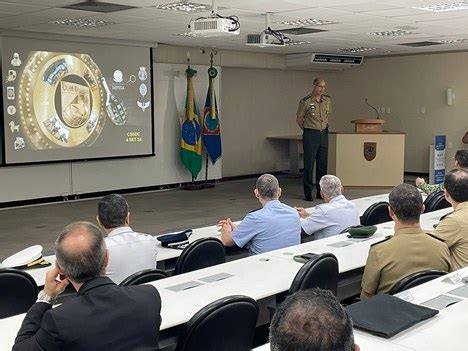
[227, 324]
[319, 272]
[200, 254]
[435, 201]
[376, 213]
[18, 292]
[415, 279]
[144, 276]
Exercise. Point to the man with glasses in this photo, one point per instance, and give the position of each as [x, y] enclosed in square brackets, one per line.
[312, 117]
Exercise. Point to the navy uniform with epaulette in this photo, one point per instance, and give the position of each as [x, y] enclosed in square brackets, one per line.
[409, 251]
[312, 116]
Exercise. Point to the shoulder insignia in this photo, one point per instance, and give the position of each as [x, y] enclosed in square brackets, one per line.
[327, 96]
[435, 237]
[306, 97]
[387, 238]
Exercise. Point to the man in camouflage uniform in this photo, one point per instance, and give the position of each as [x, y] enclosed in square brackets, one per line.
[312, 117]
[460, 162]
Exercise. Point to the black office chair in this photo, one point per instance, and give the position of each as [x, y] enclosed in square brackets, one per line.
[144, 276]
[376, 213]
[200, 254]
[415, 279]
[227, 324]
[319, 272]
[18, 292]
[435, 201]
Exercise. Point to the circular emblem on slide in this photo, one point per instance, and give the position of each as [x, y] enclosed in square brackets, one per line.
[191, 132]
[61, 100]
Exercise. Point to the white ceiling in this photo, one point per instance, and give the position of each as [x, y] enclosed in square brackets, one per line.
[355, 19]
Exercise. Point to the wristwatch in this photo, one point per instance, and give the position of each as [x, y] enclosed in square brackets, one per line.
[43, 297]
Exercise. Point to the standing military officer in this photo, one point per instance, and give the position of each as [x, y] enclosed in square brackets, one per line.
[312, 117]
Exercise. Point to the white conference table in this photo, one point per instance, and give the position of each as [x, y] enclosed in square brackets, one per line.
[260, 277]
[165, 254]
[447, 330]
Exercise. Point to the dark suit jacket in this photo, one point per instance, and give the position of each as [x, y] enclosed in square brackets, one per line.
[103, 316]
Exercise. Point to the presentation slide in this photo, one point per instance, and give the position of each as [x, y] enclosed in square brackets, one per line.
[67, 101]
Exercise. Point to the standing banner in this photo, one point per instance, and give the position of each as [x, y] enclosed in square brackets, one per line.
[439, 158]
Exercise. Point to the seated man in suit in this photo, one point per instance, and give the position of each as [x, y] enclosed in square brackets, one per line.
[103, 316]
[332, 217]
[129, 252]
[454, 228]
[274, 226]
[460, 162]
[311, 319]
[410, 250]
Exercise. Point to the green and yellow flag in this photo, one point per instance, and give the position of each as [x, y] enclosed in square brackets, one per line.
[191, 141]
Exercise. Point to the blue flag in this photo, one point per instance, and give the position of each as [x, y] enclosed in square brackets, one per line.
[211, 127]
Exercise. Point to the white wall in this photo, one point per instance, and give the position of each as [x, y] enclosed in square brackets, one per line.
[408, 85]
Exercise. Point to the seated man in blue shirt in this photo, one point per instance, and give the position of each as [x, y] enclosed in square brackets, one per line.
[273, 227]
[332, 217]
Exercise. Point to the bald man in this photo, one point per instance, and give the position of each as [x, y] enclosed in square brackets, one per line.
[92, 320]
[312, 117]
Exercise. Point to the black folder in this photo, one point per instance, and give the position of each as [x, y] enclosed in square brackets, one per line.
[386, 315]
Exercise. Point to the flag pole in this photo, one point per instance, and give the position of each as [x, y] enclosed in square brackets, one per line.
[192, 185]
[207, 185]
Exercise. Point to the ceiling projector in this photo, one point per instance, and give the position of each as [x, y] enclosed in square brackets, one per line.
[214, 26]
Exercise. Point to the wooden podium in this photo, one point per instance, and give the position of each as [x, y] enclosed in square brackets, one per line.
[368, 125]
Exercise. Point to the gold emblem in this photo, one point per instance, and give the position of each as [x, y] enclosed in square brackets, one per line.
[370, 151]
[61, 100]
[75, 103]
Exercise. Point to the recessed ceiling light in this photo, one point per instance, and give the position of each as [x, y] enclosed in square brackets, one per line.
[82, 22]
[452, 41]
[358, 49]
[391, 33]
[296, 42]
[184, 6]
[187, 34]
[307, 22]
[453, 6]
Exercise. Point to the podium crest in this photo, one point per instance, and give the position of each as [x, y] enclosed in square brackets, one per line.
[370, 151]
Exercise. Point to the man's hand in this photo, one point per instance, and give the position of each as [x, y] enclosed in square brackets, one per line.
[302, 212]
[52, 286]
[226, 222]
[420, 181]
[226, 232]
[300, 122]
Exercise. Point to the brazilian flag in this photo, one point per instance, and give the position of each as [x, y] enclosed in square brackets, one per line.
[211, 130]
[191, 142]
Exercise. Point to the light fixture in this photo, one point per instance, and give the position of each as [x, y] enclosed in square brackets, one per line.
[445, 7]
[452, 41]
[358, 49]
[184, 6]
[392, 33]
[307, 22]
[297, 42]
[450, 95]
[187, 34]
[82, 22]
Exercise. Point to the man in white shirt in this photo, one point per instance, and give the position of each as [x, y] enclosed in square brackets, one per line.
[332, 217]
[129, 252]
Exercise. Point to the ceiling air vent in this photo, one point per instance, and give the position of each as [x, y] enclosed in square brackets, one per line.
[102, 7]
[418, 44]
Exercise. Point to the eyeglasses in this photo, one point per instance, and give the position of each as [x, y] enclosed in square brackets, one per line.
[320, 86]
